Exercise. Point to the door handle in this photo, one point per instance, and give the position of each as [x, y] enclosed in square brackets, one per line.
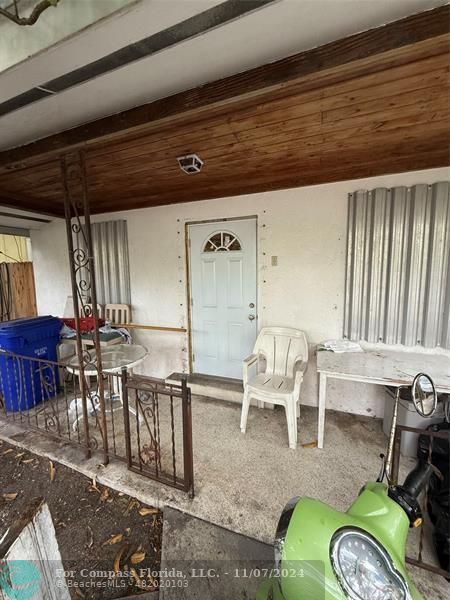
[251, 317]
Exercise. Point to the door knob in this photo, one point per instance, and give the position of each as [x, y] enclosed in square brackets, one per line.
[251, 317]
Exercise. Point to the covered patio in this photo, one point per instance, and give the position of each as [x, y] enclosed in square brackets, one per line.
[301, 189]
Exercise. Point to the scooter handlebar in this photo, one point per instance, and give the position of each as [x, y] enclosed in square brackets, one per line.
[417, 479]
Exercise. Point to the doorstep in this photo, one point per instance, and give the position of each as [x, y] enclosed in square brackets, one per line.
[211, 386]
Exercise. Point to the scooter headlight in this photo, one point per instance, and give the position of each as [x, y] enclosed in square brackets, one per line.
[282, 528]
[364, 569]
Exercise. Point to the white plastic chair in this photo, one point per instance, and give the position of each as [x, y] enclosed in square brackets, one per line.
[285, 351]
[118, 313]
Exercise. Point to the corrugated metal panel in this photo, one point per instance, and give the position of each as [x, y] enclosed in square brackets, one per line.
[398, 266]
[112, 272]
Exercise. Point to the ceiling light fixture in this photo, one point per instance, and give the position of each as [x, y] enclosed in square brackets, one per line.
[191, 163]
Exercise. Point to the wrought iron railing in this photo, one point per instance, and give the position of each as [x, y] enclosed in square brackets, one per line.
[148, 424]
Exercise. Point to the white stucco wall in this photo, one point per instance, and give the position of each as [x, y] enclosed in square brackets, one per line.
[304, 227]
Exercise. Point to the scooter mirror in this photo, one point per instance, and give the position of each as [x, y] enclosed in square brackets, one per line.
[424, 395]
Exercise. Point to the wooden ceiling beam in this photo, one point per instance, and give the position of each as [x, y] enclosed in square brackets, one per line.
[395, 41]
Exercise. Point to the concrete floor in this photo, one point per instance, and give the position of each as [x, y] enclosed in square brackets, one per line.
[243, 481]
[213, 563]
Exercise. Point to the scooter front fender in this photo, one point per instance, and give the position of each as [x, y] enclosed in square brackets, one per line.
[306, 548]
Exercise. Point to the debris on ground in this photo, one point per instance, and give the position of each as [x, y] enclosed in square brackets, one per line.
[98, 530]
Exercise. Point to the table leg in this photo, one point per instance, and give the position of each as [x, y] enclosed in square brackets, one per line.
[322, 406]
[92, 405]
[118, 390]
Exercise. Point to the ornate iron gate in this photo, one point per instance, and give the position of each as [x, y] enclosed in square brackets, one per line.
[158, 424]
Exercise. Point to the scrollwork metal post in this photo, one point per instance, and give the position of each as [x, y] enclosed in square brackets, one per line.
[82, 273]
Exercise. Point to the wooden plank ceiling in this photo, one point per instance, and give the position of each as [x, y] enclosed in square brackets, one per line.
[374, 103]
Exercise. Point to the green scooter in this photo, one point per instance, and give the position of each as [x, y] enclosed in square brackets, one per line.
[323, 554]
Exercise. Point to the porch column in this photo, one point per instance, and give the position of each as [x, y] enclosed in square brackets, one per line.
[82, 273]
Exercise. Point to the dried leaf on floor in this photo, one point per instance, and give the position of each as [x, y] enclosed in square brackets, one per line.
[28, 460]
[149, 453]
[104, 495]
[10, 496]
[20, 454]
[148, 511]
[79, 594]
[114, 539]
[310, 444]
[7, 451]
[137, 557]
[117, 559]
[93, 487]
[133, 503]
[52, 470]
[90, 542]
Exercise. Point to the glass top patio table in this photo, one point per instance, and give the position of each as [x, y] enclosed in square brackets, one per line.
[114, 358]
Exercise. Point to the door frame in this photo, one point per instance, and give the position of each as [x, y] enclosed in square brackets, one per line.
[188, 224]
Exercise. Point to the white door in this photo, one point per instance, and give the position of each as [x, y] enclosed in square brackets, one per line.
[223, 295]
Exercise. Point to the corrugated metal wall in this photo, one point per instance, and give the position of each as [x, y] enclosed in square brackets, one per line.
[398, 266]
[112, 271]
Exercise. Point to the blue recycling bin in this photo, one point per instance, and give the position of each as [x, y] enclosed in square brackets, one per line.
[26, 382]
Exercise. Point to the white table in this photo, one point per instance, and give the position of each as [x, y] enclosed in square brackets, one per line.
[114, 359]
[380, 367]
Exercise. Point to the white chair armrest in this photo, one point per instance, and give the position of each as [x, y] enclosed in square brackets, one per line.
[246, 364]
[250, 359]
[298, 381]
[301, 366]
